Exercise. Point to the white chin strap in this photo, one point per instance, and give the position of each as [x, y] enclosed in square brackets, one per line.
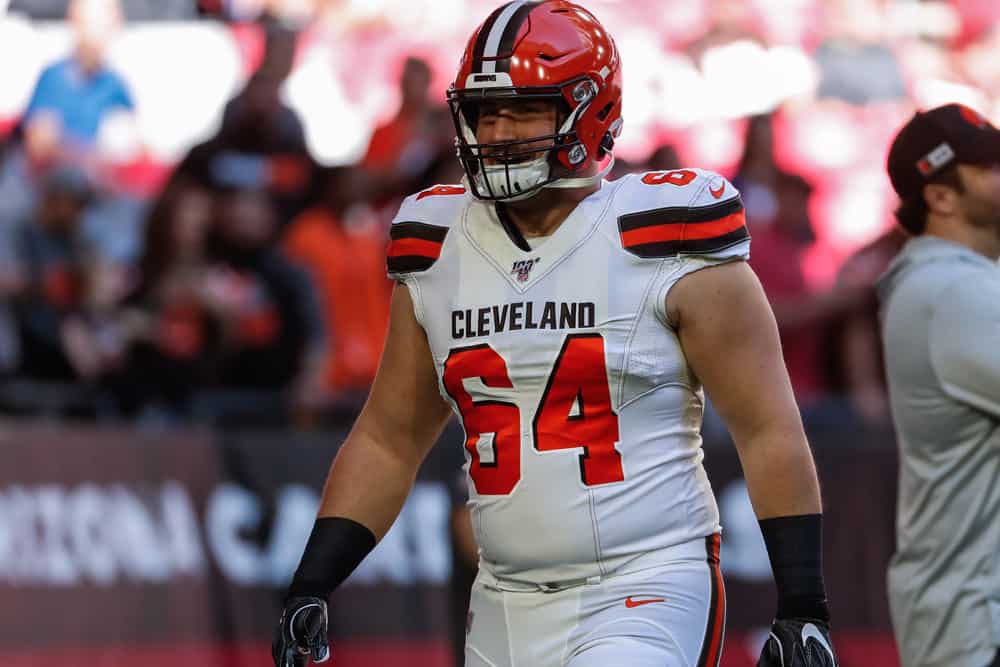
[522, 177]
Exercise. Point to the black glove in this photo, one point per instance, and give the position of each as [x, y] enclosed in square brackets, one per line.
[302, 632]
[798, 642]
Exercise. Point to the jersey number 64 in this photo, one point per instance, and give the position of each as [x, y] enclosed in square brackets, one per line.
[574, 413]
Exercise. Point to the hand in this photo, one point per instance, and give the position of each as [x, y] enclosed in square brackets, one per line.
[225, 292]
[798, 642]
[302, 632]
[81, 348]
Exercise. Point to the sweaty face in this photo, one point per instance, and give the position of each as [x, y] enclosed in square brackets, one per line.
[515, 120]
[981, 200]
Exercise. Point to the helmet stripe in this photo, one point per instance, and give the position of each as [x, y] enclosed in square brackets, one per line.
[477, 52]
[497, 30]
[509, 38]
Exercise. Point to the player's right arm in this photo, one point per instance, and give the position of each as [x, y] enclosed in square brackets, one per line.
[372, 474]
[368, 481]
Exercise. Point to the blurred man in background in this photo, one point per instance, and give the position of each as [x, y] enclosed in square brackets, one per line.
[70, 102]
[59, 272]
[272, 323]
[859, 369]
[171, 334]
[81, 90]
[941, 323]
[408, 142]
[261, 143]
[341, 243]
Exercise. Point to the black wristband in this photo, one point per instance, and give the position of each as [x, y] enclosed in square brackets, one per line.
[795, 546]
[336, 546]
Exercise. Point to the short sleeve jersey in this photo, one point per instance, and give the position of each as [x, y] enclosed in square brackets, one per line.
[582, 417]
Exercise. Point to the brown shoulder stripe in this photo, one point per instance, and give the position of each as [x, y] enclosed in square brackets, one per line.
[679, 229]
[414, 246]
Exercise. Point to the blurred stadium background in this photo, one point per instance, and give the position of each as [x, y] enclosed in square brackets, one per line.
[194, 197]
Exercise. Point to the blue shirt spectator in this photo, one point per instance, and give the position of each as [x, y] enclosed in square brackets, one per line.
[80, 98]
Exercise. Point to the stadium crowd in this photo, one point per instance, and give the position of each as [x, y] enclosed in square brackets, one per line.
[245, 281]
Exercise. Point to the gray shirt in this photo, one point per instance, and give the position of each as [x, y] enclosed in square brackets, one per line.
[941, 337]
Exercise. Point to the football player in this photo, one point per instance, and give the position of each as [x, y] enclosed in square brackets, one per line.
[571, 323]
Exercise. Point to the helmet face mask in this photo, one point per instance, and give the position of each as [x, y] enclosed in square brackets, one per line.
[514, 169]
[554, 52]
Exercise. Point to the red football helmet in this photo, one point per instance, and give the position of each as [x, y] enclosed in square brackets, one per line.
[552, 50]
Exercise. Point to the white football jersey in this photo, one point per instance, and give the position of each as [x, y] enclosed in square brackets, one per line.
[581, 415]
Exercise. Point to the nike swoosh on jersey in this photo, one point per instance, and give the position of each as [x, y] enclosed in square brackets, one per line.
[631, 604]
[718, 192]
[810, 631]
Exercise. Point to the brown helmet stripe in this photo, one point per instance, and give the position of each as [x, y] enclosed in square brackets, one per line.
[509, 38]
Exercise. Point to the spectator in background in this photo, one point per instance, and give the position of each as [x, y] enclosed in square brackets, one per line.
[779, 244]
[60, 276]
[408, 143]
[13, 284]
[172, 336]
[25, 166]
[261, 144]
[859, 357]
[341, 242]
[855, 64]
[757, 168]
[663, 158]
[273, 335]
[71, 100]
[80, 91]
[42, 237]
[727, 21]
[777, 206]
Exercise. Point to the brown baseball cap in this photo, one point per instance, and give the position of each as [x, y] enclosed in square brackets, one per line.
[935, 139]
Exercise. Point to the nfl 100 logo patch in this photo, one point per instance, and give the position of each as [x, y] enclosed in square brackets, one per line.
[522, 268]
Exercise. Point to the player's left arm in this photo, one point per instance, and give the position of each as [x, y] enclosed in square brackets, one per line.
[730, 338]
